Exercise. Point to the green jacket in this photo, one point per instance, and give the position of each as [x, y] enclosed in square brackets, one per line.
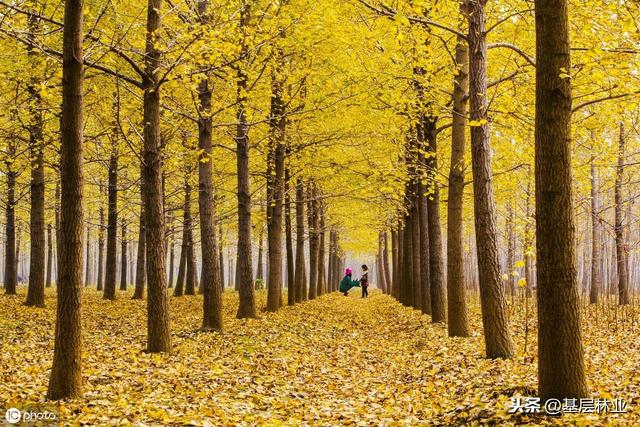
[346, 283]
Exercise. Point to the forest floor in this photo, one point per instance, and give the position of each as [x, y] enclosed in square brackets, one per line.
[332, 361]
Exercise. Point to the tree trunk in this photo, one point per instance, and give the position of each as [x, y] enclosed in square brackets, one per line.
[494, 317]
[259, 283]
[458, 322]
[291, 293]
[300, 274]
[210, 280]
[511, 249]
[182, 266]
[66, 377]
[138, 293]
[123, 257]
[560, 352]
[190, 263]
[112, 226]
[35, 292]
[49, 255]
[385, 262]
[88, 277]
[312, 219]
[100, 285]
[275, 190]
[395, 265]
[221, 257]
[322, 282]
[247, 306]
[436, 263]
[596, 238]
[11, 259]
[621, 246]
[158, 330]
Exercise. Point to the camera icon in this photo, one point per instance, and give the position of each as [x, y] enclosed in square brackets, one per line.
[13, 415]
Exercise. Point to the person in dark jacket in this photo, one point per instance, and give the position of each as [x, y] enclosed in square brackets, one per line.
[364, 281]
[347, 283]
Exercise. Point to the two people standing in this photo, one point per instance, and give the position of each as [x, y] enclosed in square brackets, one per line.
[347, 282]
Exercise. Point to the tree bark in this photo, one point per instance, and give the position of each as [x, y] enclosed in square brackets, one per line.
[247, 306]
[49, 255]
[596, 238]
[436, 263]
[112, 225]
[300, 274]
[100, 284]
[123, 257]
[560, 352]
[312, 220]
[141, 260]
[66, 377]
[158, 329]
[88, 278]
[322, 282]
[291, 293]
[11, 258]
[458, 322]
[35, 291]
[621, 246]
[210, 280]
[395, 265]
[494, 317]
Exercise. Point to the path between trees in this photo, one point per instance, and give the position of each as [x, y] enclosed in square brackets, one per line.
[334, 360]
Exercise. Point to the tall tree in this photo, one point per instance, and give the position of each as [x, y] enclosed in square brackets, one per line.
[35, 292]
[10, 255]
[300, 273]
[244, 271]
[497, 337]
[210, 280]
[596, 237]
[560, 352]
[458, 323]
[66, 377]
[621, 246]
[158, 331]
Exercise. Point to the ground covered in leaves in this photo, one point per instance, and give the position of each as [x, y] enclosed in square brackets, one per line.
[332, 361]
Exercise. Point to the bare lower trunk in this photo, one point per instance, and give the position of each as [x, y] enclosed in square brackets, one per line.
[123, 258]
[300, 274]
[312, 219]
[494, 317]
[244, 270]
[112, 226]
[35, 292]
[621, 246]
[10, 260]
[291, 294]
[596, 239]
[49, 255]
[210, 280]
[100, 285]
[458, 322]
[158, 330]
[66, 377]
[140, 259]
[560, 352]
[322, 282]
